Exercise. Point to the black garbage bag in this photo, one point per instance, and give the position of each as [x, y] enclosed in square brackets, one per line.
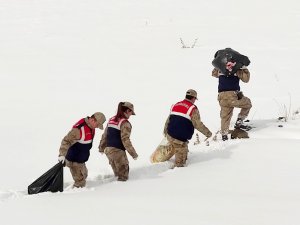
[228, 61]
[52, 180]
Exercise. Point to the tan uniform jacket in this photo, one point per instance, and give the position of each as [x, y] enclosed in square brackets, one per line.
[125, 137]
[70, 139]
[243, 74]
[197, 123]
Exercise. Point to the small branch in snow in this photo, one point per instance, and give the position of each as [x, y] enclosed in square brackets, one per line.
[183, 45]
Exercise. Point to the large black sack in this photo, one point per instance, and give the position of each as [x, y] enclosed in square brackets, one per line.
[52, 180]
[227, 56]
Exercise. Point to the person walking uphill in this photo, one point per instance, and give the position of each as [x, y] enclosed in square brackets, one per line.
[230, 97]
[116, 140]
[180, 124]
[75, 146]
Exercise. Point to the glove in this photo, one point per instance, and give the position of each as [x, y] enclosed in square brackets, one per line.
[61, 159]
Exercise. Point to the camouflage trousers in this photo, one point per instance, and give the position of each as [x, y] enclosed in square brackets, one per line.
[119, 162]
[79, 173]
[181, 150]
[228, 100]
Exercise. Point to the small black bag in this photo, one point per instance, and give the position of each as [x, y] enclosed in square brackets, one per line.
[52, 180]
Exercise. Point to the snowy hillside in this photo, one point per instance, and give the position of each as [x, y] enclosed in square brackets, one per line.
[61, 60]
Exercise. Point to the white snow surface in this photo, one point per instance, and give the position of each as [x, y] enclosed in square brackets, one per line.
[62, 60]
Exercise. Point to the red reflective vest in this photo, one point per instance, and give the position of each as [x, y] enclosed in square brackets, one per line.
[184, 108]
[180, 125]
[80, 150]
[86, 133]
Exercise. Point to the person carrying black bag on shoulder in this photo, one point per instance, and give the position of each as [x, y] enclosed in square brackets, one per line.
[231, 97]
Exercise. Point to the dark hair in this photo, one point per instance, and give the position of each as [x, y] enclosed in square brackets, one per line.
[120, 111]
[189, 97]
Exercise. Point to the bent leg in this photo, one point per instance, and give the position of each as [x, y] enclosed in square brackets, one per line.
[245, 105]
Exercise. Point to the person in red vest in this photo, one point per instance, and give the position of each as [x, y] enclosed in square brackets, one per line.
[115, 141]
[75, 146]
[180, 124]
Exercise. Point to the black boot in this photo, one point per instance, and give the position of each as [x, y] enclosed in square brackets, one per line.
[224, 137]
[240, 125]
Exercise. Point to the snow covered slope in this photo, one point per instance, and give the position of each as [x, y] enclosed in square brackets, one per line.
[61, 60]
